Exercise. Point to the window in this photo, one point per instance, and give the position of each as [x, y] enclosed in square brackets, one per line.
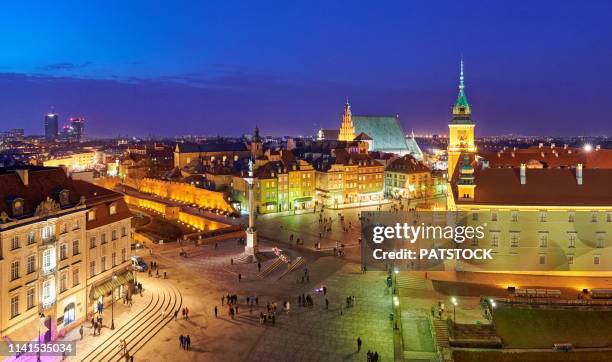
[596, 260]
[31, 237]
[571, 239]
[103, 263]
[495, 239]
[15, 270]
[493, 215]
[114, 235]
[542, 259]
[571, 216]
[609, 217]
[92, 268]
[123, 255]
[543, 239]
[75, 277]
[63, 251]
[475, 216]
[112, 209]
[64, 228]
[30, 298]
[91, 215]
[63, 282]
[514, 216]
[15, 244]
[103, 238]
[114, 259]
[123, 231]
[514, 239]
[14, 306]
[570, 259]
[76, 225]
[92, 242]
[594, 216]
[47, 232]
[31, 264]
[75, 247]
[48, 259]
[601, 239]
[543, 216]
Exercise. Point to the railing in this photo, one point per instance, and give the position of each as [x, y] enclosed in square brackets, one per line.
[45, 272]
[49, 240]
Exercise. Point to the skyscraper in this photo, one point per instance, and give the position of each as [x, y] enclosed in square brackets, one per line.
[77, 126]
[51, 128]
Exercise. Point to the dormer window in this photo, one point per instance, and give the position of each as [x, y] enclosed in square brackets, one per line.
[17, 207]
[91, 215]
[64, 197]
[112, 209]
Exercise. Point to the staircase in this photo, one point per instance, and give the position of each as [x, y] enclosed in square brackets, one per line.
[409, 280]
[298, 262]
[272, 267]
[441, 332]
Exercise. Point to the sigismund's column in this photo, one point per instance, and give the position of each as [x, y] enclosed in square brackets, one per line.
[251, 249]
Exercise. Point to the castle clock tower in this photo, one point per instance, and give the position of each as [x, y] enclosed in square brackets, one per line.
[461, 128]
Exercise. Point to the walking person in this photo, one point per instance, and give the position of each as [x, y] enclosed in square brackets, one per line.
[187, 342]
[81, 332]
[358, 344]
[181, 340]
[216, 311]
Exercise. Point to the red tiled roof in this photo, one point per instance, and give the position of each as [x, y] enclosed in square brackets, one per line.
[545, 187]
[550, 157]
[407, 164]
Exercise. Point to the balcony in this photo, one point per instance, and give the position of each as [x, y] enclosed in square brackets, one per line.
[44, 272]
[50, 240]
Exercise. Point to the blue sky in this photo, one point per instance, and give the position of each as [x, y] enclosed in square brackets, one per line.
[167, 68]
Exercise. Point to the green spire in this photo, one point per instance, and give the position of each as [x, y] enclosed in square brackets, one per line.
[461, 98]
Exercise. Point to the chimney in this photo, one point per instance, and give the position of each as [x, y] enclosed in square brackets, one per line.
[24, 175]
[523, 174]
[579, 174]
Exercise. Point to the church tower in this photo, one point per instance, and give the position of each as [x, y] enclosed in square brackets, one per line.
[256, 145]
[461, 128]
[347, 131]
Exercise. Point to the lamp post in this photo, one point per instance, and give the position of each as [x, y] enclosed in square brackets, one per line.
[454, 301]
[113, 302]
[395, 272]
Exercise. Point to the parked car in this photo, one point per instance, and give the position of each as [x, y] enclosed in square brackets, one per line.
[138, 263]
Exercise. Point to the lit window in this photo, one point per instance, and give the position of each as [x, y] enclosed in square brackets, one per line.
[31, 264]
[75, 247]
[15, 273]
[15, 244]
[112, 209]
[596, 259]
[91, 215]
[14, 306]
[75, 277]
[543, 239]
[30, 298]
[542, 259]
[571, 240]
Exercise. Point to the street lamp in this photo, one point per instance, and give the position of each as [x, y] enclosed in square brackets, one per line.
[395, 272]
[113, 302]
[454, 301]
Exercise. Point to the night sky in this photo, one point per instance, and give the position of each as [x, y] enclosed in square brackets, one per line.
[155, 68]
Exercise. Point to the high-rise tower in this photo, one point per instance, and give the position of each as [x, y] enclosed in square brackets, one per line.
[51, 126]
[347, 130]
[461, 128]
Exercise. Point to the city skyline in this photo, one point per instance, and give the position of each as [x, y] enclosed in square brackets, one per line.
[271, 66]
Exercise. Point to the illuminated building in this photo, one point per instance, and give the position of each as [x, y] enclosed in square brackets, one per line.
[345, 178]
[461, 128]
[47, 280]
[545, 208]
[73, 161]
[77, 128]
[282, 185]
[51, 127]
[347, 131]
[408, 178]
[185, 153]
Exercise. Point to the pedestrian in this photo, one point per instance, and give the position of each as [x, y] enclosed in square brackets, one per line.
[176, 314]
[239, 277]
[231, 261]
[183, 313]
[259, 266]
[216, 311]
[186, 313]
[222, 300]
[188, 342]
[182, 340]
[326, 303]
[358, 344]
[149, 273]
[165, 277]
[157, 273]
